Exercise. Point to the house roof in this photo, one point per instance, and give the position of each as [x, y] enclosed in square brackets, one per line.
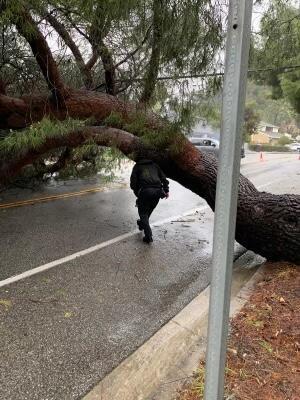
[263, 123]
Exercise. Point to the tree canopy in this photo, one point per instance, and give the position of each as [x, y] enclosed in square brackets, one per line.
[277, 47]
[119, 47]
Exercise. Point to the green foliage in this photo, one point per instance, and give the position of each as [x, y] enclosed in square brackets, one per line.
[276, 112]
[267, 147]
[278, 46]
[191, 34]
[168, 138]
[290, 85]
[266, 346]
[284, 140]
[88, 160]
[210, 110]
[114, 120]
[161, 139]
[19, 142]
[138, 126]
[251, 121]
[199, 383]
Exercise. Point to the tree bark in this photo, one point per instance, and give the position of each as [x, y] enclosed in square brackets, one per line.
[64, 34]
[27, 27]
[2, 86]
[98, 31]
[17, 113]
[266, 223]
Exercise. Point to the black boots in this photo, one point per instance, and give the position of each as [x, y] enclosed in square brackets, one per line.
[147, 239]
[139, 224]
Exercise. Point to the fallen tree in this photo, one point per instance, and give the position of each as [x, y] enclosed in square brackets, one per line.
[267, 224]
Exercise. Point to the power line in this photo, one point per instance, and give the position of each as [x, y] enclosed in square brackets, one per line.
[284, 69]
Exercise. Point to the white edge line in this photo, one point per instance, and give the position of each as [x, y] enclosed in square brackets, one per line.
[268, 184]
[89, 250]
[99, 246]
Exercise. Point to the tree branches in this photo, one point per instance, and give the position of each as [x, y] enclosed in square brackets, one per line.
[153, 68]
[98, 31]
[102, 136]
[27, 27]
[85, 69]
[17, 113]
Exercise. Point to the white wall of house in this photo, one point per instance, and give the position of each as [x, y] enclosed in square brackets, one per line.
[265, 127]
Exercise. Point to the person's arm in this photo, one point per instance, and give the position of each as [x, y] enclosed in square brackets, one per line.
[134, 181]
[164, 181]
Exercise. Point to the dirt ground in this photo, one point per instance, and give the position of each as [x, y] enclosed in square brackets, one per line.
[263, 357]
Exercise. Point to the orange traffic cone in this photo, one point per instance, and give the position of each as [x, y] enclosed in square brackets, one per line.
[261, 157]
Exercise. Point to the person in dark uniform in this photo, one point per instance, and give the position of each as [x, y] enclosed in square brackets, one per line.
[149, 184]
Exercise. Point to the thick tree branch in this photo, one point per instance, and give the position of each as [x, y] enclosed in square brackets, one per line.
[16, 113]
[108, 65]
[98, 31]
[64, 34]
[92, 61]
[27, 27]
[102, 136]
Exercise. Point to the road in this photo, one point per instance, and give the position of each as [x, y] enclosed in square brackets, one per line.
[73, 321]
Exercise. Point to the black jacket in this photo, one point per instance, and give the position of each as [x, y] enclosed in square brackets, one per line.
[146, 173]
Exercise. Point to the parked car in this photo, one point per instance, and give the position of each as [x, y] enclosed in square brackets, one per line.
[210, 145]
[294, 147]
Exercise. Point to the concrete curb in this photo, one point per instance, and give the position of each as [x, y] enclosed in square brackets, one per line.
[143, 373]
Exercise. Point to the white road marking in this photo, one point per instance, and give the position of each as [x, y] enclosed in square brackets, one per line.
[89, 250]
[99, 246]
[268, 184]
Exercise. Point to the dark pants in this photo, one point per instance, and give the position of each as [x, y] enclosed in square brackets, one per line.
[146, 202]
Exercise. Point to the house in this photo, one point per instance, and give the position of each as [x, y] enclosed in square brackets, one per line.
[266, 134]
[266, 127]
[259, 138]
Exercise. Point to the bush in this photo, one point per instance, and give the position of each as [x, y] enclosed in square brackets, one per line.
[284, 140]
[267, 147]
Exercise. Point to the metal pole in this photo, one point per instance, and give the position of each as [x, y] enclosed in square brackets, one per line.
[234, 92]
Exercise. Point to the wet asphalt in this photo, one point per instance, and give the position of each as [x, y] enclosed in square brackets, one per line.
[43, 232]
[64, 329]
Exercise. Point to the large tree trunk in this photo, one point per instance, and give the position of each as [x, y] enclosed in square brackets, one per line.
[267, 224]
[17, 113]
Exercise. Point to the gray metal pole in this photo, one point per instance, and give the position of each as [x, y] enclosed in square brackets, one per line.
[234, 92]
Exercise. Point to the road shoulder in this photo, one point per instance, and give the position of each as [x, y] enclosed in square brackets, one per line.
[150, 372]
